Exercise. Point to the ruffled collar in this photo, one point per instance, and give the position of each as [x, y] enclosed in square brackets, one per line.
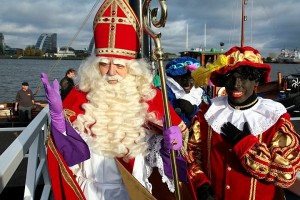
[261, 116]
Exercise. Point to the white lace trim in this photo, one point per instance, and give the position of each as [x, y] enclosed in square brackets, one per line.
[154, 159]
[264, 114]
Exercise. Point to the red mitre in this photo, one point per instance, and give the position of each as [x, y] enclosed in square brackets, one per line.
[116, 30]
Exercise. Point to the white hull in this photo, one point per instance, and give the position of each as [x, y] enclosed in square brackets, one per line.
[287, 56]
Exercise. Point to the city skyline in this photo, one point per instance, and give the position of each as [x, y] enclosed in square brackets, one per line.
[46, 42]
[270, 26]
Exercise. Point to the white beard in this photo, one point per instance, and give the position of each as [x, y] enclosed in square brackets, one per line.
[113, 119]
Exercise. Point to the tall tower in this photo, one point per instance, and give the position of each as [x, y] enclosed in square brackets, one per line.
[1, 43]
[47, 42]
[91, 46]
[2, 39]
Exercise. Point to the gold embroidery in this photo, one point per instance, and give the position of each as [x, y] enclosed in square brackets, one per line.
[208, 151]
[185, 137]
[196, 132]
[69, 113]
[238, 56]
[281, 140]
[116, 51]
[252, 188]
[253, 183]
[193, 157]
[64, 171]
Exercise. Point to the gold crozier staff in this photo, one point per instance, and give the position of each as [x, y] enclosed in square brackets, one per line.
[158, 56]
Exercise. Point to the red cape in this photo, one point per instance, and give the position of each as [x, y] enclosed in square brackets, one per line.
[63, 181]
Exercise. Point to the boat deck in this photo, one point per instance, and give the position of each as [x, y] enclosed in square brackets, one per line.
[10, 118]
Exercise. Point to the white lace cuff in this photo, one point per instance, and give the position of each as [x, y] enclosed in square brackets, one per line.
[155, 160]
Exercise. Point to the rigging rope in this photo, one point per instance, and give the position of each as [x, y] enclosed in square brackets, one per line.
[234, 19]
[70, 43]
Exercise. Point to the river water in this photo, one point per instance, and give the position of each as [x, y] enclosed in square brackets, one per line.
[16, 71]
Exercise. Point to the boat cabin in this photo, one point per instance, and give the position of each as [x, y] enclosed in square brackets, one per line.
[203, 56]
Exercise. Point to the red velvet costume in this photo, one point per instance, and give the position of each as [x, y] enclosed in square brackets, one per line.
[64, 184]
[254, 168]
[260, 153]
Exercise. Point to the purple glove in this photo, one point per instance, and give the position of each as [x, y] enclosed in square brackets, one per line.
[55, 103]
[172, 138]
[71, 146]
[173, 141]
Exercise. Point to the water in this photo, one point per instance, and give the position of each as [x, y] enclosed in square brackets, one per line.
[16, 71]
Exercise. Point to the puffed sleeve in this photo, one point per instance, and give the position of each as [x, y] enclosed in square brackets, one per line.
[274, 158]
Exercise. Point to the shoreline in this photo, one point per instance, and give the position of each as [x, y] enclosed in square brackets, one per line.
[84, 57]
[42, 58]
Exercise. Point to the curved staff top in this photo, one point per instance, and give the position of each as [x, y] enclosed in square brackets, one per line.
[158, 56]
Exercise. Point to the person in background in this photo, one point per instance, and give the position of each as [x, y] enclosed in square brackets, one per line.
[24, 103]
[182, 94]
[242, 146]
[107, 136]
[67, 83]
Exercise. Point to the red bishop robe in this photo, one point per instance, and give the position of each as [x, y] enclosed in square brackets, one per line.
[63, 181]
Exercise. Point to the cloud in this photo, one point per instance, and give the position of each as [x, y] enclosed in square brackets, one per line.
[270, 26]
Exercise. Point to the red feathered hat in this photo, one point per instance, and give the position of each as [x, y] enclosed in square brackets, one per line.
[236, 57]
[116, 30]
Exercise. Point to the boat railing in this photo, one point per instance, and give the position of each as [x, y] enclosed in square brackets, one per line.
[30, 145]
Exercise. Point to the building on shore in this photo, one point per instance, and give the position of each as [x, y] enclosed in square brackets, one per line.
[1, 39]
[91, 46]
[47, 42]
[65, 52]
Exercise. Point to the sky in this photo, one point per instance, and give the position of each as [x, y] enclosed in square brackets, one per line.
[271, 24]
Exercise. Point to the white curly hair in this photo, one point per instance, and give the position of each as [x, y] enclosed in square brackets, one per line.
[115, 113]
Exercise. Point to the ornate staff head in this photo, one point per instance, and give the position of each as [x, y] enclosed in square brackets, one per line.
[152, 14]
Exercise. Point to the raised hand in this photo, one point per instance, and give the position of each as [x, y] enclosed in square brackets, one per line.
[55, 103]
[71, 146]
[232, 134]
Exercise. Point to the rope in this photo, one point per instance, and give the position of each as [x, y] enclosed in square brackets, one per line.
[69, 43]
[234, 20]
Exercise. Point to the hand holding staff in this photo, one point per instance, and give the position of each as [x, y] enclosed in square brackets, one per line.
[158, 56]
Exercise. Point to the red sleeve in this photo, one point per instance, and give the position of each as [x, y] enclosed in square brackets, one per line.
[73, 103]
[64, 185]
[156, 106]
